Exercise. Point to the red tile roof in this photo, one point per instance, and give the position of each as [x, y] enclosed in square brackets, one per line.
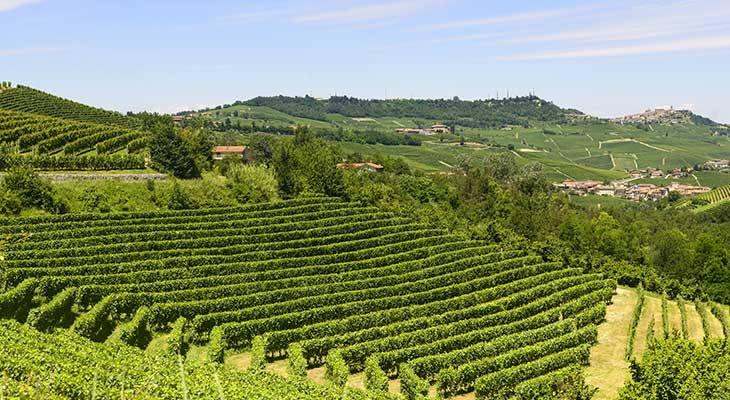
[229, 149]
[358, 165]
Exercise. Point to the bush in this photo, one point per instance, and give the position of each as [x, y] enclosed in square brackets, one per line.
[375, 378]
[176, 340]
[252, 183]
[411, 386]
[337, 371]
[94, 201]
[32, 191]
[258, 354]
[217, 345]
[297, 364]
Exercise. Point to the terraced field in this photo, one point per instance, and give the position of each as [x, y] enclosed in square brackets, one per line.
[26, 99]
[46, 135]
[65, 366]
[712, 198]
[326, 274]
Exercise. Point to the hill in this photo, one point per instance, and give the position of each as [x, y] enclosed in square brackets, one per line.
[477, 114]
[570, 144]
[319, 272]
[26, 99]
[665, 116]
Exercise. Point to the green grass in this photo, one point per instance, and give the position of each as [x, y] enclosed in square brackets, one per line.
[570, 150]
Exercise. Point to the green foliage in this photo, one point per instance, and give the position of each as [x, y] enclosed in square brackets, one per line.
[27, 99]
[216, 346]
[635, 317]
[252, 183]
[136, 332]
[680, 369]
[172, 154]
[74, 367]
[176, 343]
[296, 362]
[54, 313]
[683, 315]
[94, 201]
[665, 317]
[375, 378]
[32, 191]
[411, 386]
[722, 316]
[704, 317]
[337, 371]
[307, 165]
[479, 113]
[258, 353]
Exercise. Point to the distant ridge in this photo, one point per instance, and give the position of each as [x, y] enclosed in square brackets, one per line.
[470, 113]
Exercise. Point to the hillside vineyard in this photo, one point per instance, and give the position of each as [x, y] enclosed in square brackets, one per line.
[320, 272]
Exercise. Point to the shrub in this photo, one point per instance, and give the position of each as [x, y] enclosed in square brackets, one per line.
[337, 371]
[375, 378]
[258, 353]
[297, 364]
[217, 345]
[411, 386]
[252, 183]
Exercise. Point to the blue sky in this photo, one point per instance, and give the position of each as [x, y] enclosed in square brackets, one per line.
[606, 58]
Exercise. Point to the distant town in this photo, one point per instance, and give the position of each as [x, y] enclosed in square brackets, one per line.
[643, 191]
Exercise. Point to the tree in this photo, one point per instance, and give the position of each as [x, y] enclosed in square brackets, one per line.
[32, 191]
[672, 254]
[307, 165]
[252, 183]
[171, 153]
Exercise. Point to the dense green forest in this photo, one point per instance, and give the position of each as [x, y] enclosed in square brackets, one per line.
[478, 113]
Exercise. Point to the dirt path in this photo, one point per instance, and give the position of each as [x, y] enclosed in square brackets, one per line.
[694, 322]
[675, 318]
[608, 369]
[715, 324]
[652, 309]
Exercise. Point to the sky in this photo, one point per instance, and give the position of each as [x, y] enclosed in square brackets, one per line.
[606, 58]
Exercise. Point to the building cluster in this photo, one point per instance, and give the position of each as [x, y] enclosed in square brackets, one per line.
[657, 173]
[657, 115]
[433, 130]
[720, 165]
[637, 192]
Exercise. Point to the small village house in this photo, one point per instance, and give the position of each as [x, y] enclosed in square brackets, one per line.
[221, 152]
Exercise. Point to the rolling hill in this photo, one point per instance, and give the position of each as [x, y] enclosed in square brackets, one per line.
[570, 144]
[52, 133]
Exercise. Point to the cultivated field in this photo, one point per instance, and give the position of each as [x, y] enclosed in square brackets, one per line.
[326, 274]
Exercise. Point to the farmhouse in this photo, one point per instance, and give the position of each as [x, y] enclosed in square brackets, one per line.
[605, 190]
[366, 166]
[578, 187]
[717, 164]
[433, 130]
[439, 128]
[220, 152]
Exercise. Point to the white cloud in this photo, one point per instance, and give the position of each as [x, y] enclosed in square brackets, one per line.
[7, 5]
[530, 16]
[380, 11]
[702, 43]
